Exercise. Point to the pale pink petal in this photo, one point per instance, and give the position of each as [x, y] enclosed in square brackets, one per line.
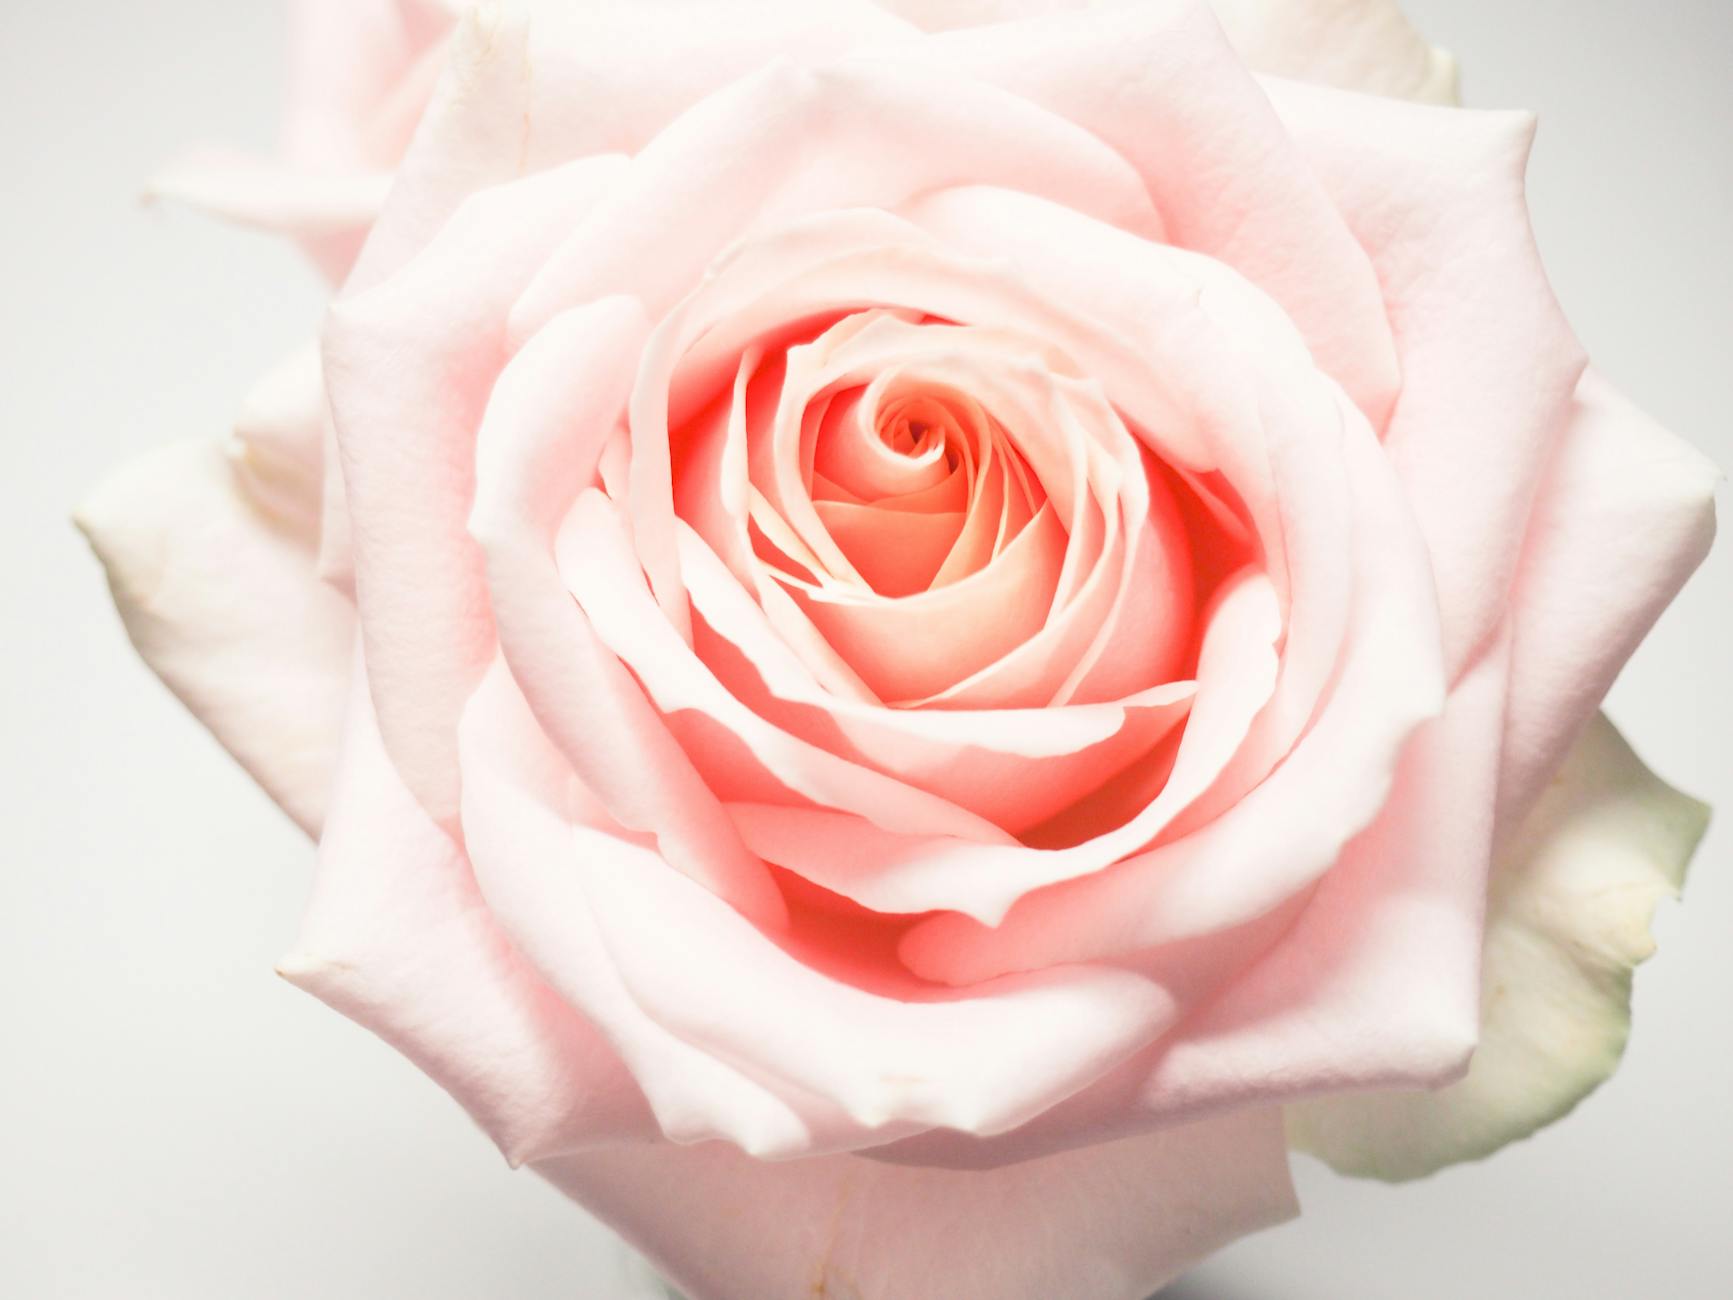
[329, 212]
[217, 588]
[1488, 363]
[349, 64]
[409, 365]
[1387, 948]
[521, 815]
[945, 15]
[359, 73]
[1115, 1223]
[1626, 513]
[397, 937]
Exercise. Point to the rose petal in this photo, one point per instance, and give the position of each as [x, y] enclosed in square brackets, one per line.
[1488, 362]
[547, 421]
[350, 62]
[1568, 918]
[1622, 497]
[328, 211]
[280, 431]
[520, 801]
[1115, 1222]
[1365, 45]
[409, 365]
[397, 938]
[217, 589]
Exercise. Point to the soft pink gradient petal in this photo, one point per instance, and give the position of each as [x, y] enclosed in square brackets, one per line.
[1112, 1223]
[215, 581]
[1626, 512]
[409, 365]
[522, 813]
[398, 938]
[922, 644]
[1488, 363]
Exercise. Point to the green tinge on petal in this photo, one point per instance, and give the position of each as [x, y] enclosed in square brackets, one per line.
[1571, 901]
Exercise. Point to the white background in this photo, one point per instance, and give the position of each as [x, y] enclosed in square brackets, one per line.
[179, 1123]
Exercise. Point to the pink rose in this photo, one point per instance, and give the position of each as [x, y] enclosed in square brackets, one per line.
[943, 641]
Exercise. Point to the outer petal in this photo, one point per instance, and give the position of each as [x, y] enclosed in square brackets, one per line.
[358, 70]
[1436, 196]
[1366, 45]
[328, 212]
[1355, 44]
[219, 594]
[397, 938]
[1114, 1222]
[1571, 902]
[410, 364]
[1625, 514]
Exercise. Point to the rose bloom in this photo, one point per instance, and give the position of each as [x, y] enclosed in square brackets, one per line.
[920, 635]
